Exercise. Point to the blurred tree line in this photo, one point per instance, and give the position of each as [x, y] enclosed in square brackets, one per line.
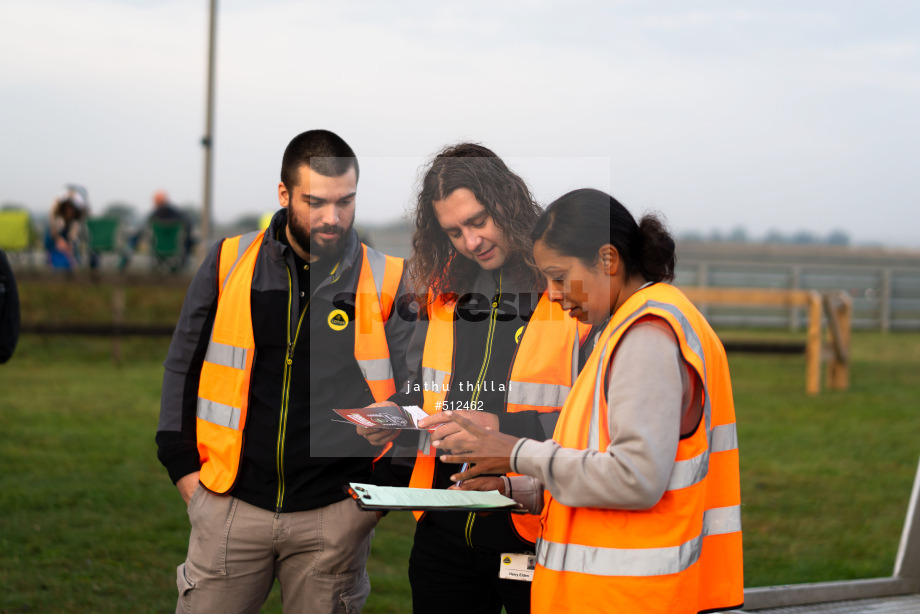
[739, 234]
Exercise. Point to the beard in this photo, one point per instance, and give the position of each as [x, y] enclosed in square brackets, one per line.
[320, 248]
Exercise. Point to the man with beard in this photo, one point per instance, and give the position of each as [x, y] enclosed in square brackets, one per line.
[278, 327]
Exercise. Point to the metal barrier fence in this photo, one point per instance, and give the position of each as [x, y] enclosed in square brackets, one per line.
[883, 284]
[885, 298]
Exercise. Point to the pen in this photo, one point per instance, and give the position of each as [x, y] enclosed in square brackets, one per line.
[463, 468]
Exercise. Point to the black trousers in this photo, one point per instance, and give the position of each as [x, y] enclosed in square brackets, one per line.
[449, 577]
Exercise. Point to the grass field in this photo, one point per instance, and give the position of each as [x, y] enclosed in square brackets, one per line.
[91, 523]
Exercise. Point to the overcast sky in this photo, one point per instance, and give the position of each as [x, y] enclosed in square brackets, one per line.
[767, 114]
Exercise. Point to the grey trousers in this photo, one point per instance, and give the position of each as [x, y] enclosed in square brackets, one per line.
[237, 550]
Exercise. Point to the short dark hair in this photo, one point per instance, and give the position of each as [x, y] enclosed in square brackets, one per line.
[573, 225]
[323, 151]
[504, 195]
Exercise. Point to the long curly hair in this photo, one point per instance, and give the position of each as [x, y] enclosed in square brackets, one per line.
[435, 264]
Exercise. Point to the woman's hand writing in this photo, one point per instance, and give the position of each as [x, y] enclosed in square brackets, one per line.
[488, 450]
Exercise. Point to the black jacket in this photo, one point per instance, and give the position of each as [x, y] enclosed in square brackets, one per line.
[483, 354]
[9, 310]
[295, 457]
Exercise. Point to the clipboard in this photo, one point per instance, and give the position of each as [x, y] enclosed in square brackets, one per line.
[371, 497]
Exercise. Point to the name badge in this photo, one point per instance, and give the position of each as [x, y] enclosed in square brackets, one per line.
[517, 566]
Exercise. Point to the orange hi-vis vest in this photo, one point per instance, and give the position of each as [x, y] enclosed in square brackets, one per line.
[223, 390]
[684, 554]
[544, 367]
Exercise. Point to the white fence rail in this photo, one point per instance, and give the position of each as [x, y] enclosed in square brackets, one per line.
[885, 298]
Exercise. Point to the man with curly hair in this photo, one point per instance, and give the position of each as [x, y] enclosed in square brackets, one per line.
[489, 344]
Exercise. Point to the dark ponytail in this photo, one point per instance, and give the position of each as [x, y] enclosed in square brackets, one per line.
[574, 225]
[656, 252]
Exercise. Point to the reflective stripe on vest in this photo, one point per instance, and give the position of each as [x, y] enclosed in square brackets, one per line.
[227, 355]
[689, 543]
[637, 561]
[435, 378]
[537, 395]
[218, 413]
[551, 343]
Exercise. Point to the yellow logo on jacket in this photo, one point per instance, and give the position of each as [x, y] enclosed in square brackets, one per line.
[337, 319]
[517, 335]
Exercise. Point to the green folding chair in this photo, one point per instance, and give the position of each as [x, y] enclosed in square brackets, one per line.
[103, 237]
[167, 243]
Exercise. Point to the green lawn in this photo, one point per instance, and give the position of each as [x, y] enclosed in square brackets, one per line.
[826, 479]
[91, 523]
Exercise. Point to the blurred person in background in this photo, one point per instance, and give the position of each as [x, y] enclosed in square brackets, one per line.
[165, 211]
[66, 228]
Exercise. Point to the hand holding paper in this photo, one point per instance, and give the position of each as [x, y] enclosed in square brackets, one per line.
[381, 416]
[488, 450]
[378, 436]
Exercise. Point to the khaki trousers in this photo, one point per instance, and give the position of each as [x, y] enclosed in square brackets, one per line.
[237, 550]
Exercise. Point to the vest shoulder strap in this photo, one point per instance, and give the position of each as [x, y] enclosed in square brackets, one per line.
[231, 251]
[387, 273]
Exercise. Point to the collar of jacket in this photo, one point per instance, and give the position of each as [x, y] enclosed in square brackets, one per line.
[486, 283]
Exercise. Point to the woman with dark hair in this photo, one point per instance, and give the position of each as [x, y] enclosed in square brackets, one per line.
[66, 229]
[491, 344]
[641, 511]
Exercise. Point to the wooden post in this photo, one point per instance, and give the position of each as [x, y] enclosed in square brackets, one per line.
[813, 345]
[702, 275]
[789, 298]
[702, 281]
[840, 315]
[884, 305]
[118, 317]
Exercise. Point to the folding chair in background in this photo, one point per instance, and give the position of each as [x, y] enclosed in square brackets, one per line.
[167, 243]
[104, 238]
